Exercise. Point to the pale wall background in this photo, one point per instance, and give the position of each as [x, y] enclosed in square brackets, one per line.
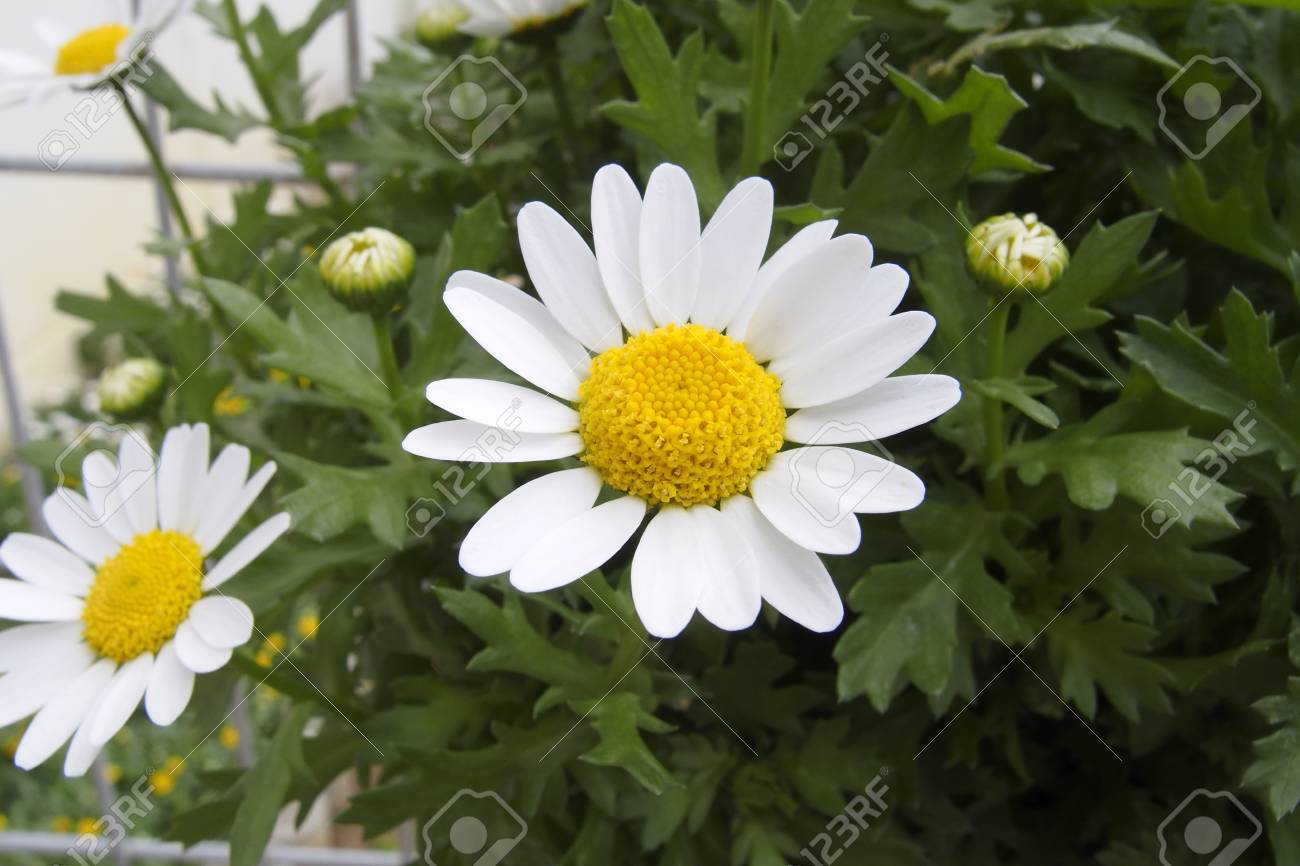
[60, 230]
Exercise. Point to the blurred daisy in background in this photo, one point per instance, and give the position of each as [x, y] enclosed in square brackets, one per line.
[701, 352]
[125, 606]
[83, 46]
[493, 18]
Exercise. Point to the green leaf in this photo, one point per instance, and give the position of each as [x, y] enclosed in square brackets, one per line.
[619, 720]
[268, 785]
[990, 102]
[667, 111]
[1244, 385]
[1276, 768]
[120, 312]
[184, 113]
[1019, 392]
[1107, 653]
[1097, 463]
[337, 498]
[908, 611]
[1072, 37]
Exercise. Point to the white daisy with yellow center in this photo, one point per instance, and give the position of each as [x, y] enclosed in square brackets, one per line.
[707, 360]
[125, 606]
[498, 18]
[84, 46]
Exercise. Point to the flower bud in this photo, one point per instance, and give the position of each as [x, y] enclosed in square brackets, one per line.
[1009, 252]
[131, 388]
[368, 271]
[441, 20]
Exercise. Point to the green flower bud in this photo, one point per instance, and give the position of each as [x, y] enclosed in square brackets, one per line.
[440, 21]
[1011, 252]
[368, 271]
[132, 388]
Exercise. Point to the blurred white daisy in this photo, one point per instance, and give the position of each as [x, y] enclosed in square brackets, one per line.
[124, 607]
[83, 46]
[498, 18]
[687, 416]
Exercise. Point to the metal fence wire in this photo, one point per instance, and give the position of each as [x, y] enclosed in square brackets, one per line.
[133, 849]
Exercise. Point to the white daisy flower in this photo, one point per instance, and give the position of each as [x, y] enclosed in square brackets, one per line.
[688, 416]
[498, 18]
[83, 47]
[122, 608]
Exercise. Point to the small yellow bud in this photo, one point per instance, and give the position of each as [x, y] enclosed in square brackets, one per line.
[1009, 252]
[368, 271]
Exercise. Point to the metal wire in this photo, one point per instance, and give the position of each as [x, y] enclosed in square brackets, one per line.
[59, 844]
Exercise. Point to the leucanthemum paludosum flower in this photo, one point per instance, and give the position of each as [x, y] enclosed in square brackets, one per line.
[498, 18]
[124, 606]
[707, 360]
[82, 48]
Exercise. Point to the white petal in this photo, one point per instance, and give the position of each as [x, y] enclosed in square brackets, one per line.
[197, 654]
[616, 230]
[106, 490]
[14, 64]
[731, 250]
[26, 602]
[82, 751]
[807, 240]
[886, 286]
[195, 479]
[121, 698]
[518, 331]
[22, 646]
[853, 363]
[211, 533]
[490, 26]
[225, 487]
[222, 621]
[173, 462]
[670, 245]
[579, 547]
[564, 271]
[809, 298]
[500, 404]
[800, 505]
[135, 460]
[59, 718]
[726, 566]
[471, 442]
[888, 407]
[170, 687]
[510, 527]
[25, 691]
[45, 563]
[664, 589]
[250, 547]
[792, 579]
[69, 516]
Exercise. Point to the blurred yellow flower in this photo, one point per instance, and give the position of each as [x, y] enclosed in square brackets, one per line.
[174, 764]
[307, 624]
[88, 826]
[276, 641]
[229, 736]
[62, 824]
[162, 782]
[229, 404]
[4, 822]
[114, 772]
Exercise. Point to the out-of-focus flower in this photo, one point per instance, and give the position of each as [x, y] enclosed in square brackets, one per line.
[229, 404]
[440, 20]
[229, 737]
[132, 388]
[307, 624]
[503, 17]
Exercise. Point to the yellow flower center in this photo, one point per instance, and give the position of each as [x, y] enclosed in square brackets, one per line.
[680, 415]
[91, 50]
[142, 595]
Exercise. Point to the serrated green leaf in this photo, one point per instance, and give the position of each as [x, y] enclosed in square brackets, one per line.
[619, 719]
[1107, 653]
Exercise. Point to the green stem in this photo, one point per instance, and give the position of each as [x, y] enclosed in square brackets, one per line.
[995, 441]
[255, 70]
[563, 109]
[164, 178]
[388, 358]
[759, 73]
